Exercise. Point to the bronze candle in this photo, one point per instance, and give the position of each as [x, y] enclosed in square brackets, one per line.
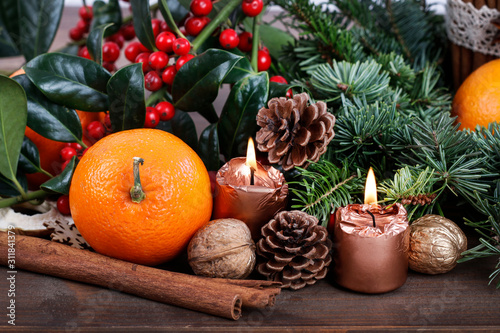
[250, 194]
[371, 246]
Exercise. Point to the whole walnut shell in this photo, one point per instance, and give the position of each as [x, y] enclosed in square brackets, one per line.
[224, 249]
[436, 243]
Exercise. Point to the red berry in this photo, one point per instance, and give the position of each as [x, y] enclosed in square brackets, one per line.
[201, 7]
[152, 118]
[84, 52]
[152, 109]
[63, 205]
[194, 25]
[263, 61]
[74, 145]
[166, 110]
[229, 39]
[181, 46]
[110, 52]
[75, 33]
[156, 24]
[144, 58]
[182, 60]
[164, 26]
[64, 165]
[83, 25]
[117, 38]
[67, 153]
[110, 66]
[252, 8]
[152, 81]
[164, 41]
[289, 93]
[128, 31]
[132, 51]
[144, 48]
[85, 13]
[278, 79]
[96, 130]
[84, 151]
[158, 60]
[168, 74]
[245, 44]
[107, 122]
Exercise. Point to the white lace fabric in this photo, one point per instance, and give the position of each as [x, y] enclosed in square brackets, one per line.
[472, 28]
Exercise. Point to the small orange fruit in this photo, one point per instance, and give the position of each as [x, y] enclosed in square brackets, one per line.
[477, 101]
[177, 199]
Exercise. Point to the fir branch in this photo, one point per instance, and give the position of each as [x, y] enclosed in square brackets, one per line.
[412, 188]
[489, 230]
[325, 187]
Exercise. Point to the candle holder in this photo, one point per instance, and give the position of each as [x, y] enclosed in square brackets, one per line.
[253, 204]
[371, 247]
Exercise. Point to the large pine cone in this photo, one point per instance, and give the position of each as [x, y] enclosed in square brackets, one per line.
[294, 250]
[293, 132]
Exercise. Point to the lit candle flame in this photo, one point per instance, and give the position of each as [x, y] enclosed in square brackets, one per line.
[370, 188]
[251, 160]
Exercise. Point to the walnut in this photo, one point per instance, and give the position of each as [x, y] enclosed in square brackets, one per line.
[223, 248]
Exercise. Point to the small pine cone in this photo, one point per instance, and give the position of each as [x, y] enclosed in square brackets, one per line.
[293, 132]
[294, 250]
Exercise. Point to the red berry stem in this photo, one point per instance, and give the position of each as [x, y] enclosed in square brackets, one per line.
[214, 24]
[255, 42]
[136, 192]
[170, 20]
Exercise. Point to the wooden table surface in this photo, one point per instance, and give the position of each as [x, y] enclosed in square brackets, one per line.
[458, 300]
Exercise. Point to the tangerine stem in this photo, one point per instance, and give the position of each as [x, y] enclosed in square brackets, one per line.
[136, 192]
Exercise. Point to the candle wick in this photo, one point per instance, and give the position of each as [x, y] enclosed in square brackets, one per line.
[373, 217]
[252, 176]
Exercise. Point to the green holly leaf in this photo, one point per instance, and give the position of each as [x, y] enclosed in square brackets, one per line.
[177, 9]
[72, 81]
[127, 107]
[107, 13]
[61, 183]
[208, 147]
[197, 83]
[8, 188]
[48, 119]
[39, 23]
[29, 160]
[142, 23]
[13, 117]
[94, 42]
[182, 126]
[237, 121]
[242, 69]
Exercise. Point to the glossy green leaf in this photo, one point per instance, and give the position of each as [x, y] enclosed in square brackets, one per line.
[177, 9]
[7, 187]
[197, 83]
[208, 147]
[48, 119]
[75, 82]
[242, 69]
[182, 126]
[127, 107]
[29, 160]
[237, 121]
[9, 28]
[39, 21]
[94, 42]
[142, 23]
[13, 117]
[61, 183]
[107, 13]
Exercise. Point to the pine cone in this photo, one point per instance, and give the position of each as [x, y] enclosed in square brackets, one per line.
[293, 132]
[294, 250]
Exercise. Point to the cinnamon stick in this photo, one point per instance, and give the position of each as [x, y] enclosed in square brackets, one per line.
[213, 296]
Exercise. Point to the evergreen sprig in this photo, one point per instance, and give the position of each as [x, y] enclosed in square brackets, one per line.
[325, 187]
[413, 186]
[489, 231]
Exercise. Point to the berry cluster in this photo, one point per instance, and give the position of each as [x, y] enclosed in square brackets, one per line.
[113, 44]
[163, 111]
